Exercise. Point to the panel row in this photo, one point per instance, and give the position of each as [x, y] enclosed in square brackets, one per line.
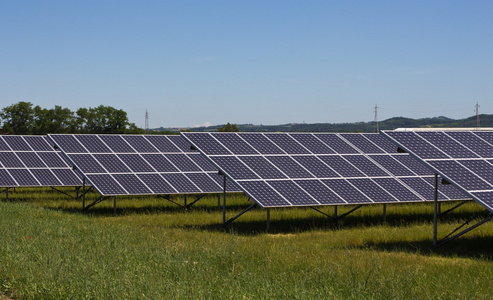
[141, 164]
[86, 143]
[315, 192]
[159, 183]
[295, 143]
[292, 169]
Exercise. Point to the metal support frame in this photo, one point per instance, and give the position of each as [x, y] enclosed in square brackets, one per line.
[66, 194]
[194, 201]
[318, 210]
[98, 200]
[226, 223]
[83, 193]
[7, 193]
[185, 205]
[349, 212]
[450, 237]
[440, 214]
[335, 217]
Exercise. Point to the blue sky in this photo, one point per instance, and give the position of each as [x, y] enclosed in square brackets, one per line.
[263, 62]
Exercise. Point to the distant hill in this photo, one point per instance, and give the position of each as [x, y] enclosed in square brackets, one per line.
[389, 124]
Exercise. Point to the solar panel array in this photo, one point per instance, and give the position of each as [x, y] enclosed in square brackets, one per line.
[464, 158]
[29, 161]
[140, 164]
[312, 169]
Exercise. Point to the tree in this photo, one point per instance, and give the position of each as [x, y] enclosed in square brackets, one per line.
[18, 118]
[57, 120]
[228, 128]
[102, 119]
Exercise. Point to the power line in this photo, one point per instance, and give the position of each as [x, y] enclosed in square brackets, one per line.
[477, 115]
[376, 118]
[146, 126]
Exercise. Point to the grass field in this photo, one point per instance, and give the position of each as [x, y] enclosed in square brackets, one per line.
[153, 249]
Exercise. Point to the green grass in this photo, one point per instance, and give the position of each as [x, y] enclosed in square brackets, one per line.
[153, 249]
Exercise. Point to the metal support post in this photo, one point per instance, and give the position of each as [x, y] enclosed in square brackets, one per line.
[114, 205]
[335, 212]
[83, 193]
[435, 212]
[185, 201]
[268, 219]
[224, 201]
[384, 213]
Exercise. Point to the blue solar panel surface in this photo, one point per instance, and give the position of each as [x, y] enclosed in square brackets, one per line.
[31, 161]
[464, 158]
[141, 164]
[312, 169]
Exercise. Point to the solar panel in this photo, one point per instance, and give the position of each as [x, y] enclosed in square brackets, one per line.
[464, 158]
[29, 161]
[140, 164]
[313, 169]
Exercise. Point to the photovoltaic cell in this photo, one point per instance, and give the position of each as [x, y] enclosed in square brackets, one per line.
[342, 166]
[289, 167]
[136, 163]
[311, 169]
[262, 167]
[263, 193]
[312, 143]
[93, 144]
[204, 182]
[320, 192]
[235, 143]
[6, 180]
[17, 143]
[373, 191]
[286, 143]
[116, 143]
[362, 143]
[316, 166]
[261, 143]
[293, 192]
[140, 144]
[140, 164]
[339, 145]
[163, 145]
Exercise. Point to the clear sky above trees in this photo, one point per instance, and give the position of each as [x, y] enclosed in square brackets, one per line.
[261, 62]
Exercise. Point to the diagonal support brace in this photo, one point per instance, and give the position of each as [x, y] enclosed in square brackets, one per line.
[348, 213]
[98, 200]
[453, 208]
[450, 238]
[226, 223]
[198, 198]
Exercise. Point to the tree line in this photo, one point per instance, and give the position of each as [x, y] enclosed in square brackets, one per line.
[24, 118]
